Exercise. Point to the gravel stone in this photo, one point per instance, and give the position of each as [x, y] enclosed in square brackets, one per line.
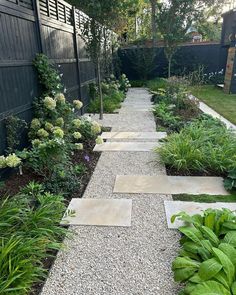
[119, 260]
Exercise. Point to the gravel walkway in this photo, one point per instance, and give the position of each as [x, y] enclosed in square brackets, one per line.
[121, 260]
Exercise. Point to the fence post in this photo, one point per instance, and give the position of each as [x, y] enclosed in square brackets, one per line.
[39, 24]
[76, 50]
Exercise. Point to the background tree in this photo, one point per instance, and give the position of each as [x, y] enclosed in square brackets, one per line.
[175, 18]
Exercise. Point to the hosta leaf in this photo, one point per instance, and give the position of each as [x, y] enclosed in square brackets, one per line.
[230, 224]
[207, 245]
[182, 274]
[230, 238]
[210, 288]
[191, 247]
[230, 251]
[222, 278]
[196, 279]
[204, 253]
[184, 253]
[182, 216]
[209, 220]
[184, 262]
[192, 233]
[228, 184]
[189, 288]
[228, 266]
[210, 235]
[233, 288]
[209, 268]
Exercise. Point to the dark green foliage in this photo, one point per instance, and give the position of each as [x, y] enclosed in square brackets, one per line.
[206, 261]
[14, 128]
[30, 231]
[230, 181]
[49, 77]
[138, 83]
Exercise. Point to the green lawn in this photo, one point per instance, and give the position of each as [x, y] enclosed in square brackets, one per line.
[224, 104]
[205, 198]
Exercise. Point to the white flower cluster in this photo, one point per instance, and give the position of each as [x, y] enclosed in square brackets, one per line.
[11, 161]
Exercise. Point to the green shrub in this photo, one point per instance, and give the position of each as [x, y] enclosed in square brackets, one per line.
[138, 83]
[207, 259]
[230, 181]
[203, 147]
[109, 105]
[29, 232]
[157, 83]
[164, 115]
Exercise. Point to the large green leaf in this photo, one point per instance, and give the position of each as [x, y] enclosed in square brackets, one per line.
[191, 247]
[230, 224]
[209, 220]
[230, 251]
[184, 262]
[209, 268]
[228, 266]
[182, 274]
[210, 288]
[206, 244]
[222, 278]
[192, 233]
[184, 253]
[204, 253]
[210, 235]
[233, 288]
[230, 238]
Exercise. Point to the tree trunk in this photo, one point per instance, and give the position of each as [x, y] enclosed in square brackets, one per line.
[154, 24]
[100, 89]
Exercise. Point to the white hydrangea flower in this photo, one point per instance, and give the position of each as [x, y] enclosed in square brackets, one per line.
[79, 146]
[78, 104]
[60, 97]
[49, 103]
[77, 135]
[13, 161]
[99, 140]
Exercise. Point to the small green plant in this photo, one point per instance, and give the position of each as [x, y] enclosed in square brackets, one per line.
[164, 114]
[230, 181]
[207, 259]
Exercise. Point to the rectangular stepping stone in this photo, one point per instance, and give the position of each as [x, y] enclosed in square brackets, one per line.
[125, 147]
[169, 185]
[191, 208]
[133, 135]
[100, 212]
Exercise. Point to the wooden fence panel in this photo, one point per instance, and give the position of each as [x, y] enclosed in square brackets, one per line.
[29, 27]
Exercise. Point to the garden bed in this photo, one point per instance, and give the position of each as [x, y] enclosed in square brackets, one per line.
[86, 158]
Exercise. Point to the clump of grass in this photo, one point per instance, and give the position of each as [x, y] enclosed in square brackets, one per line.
[30, 232]
[204, 147]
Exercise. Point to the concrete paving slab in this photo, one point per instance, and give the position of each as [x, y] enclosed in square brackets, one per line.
[99, 212]
[133, 135]
[125, 146]
[191, 208]
[162, 184]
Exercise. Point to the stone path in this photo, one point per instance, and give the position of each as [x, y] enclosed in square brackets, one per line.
[132, 260]
[125, 146]
[162, 184]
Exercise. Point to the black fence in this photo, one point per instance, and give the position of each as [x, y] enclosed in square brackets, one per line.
[28, 27]
[134, 61]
